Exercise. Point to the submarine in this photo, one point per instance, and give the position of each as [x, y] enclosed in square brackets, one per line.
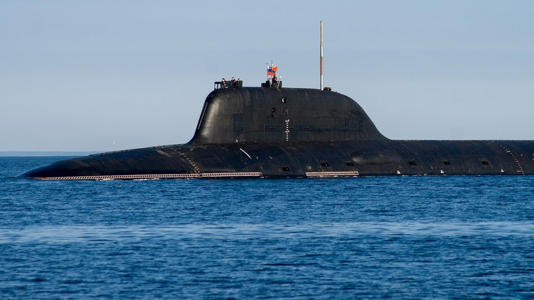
[273, 131]
[270, 131]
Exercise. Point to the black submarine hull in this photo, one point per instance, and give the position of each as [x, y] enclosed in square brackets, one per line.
[302, 160]
[305, 133]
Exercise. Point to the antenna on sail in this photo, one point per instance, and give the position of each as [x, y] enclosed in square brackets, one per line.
[321, 59]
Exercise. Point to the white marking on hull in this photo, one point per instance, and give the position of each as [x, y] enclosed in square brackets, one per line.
[332, 174]
[287, 130]
[245, 152]
[157, 176]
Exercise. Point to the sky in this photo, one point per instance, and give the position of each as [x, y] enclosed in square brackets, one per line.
[110, 75]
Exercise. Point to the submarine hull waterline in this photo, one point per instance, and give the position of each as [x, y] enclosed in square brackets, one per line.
[287, 132]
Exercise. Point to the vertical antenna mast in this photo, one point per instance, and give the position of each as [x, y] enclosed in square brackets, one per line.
[321, 60]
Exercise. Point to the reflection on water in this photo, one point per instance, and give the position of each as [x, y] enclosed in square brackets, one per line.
[80, 233]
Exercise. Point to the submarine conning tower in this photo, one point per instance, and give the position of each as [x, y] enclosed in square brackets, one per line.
[270, 114]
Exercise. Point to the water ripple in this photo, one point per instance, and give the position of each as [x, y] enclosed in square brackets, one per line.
[375, 237]
[83, 233]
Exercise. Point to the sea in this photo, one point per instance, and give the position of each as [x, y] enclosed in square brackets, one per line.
[368, 237]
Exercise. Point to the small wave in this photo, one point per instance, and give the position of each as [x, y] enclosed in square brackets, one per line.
[99, 234]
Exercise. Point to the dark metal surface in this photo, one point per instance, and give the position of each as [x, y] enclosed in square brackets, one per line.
[291, 132]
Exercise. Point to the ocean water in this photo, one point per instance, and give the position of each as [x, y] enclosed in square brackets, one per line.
[380, 237]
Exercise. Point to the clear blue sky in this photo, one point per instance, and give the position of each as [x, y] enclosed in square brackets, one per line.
[109, 75]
